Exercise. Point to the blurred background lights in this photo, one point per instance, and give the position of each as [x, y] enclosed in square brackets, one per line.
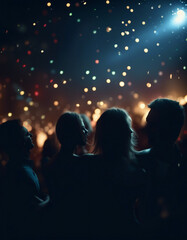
[180, 18]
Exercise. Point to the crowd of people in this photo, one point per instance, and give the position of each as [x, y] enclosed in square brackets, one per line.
[114, 192]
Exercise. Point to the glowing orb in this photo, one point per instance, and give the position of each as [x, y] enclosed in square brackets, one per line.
[180, 17]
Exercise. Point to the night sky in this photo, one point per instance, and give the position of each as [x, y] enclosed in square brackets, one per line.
[89, 55]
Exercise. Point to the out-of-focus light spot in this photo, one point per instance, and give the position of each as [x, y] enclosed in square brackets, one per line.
[40, 139]
[148, 85]
[113, 72]
[31, 103]
[51, 61]
[107, 2]
[108, 29]
[9, 114]
[115, 45]
[141, 105]
[143, 22]
[131, 10]
[146, 50]
[61, 72]
[124, 74]
[127, 7]
[94, 31]
[171, 76]
[136, 95]
[49, 4]
[129, 21]
[122, 84]
[56, 103]
[93, 89]
[108, 81]
[85, 89]
[184, 68]
[122, 34]
[97, 61]
[94, 78]
[160, 73]
[87, 72]
[97, 111]
[180, 17]
[185, 98]
[64, 82]
[68, 4]
[77, 105]
[126, 48]
[34, 24]
[128, 67]
[27, 126]
[29, 52]
[22, 93]
[89, 102]
[25, 109]
[137, 40]
[55, 85]
[158, 44]
[42, 51]
[127, 32]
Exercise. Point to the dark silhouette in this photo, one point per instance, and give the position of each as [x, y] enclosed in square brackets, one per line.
[114, 177]
[65, 181]
[81, 150]
[21, 189]
[163, 163]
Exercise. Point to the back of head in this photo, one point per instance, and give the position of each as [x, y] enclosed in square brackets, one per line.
[113, 133]
[168, 116]
[10, 135]
[69, 129]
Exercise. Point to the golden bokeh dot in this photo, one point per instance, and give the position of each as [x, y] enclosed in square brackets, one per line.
[148, 85]
[107, 2]
[94, 89]
[122, 84]
[137, 40]
[89, 102]
[143, 22]
[126, 48]
[22, 93]
[68, 4]
[141, 105]
[9, 114]
[146, 50]
[25, 108]
[128, 67]
[56, 103]
[77, 105]
[85, 89]
[49, 4]
[108, 80]
[55, 85]
[124, 74]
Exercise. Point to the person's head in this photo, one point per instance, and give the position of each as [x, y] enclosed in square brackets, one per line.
[14, 138]
[70, 130]
[114, 133]
[164, 121]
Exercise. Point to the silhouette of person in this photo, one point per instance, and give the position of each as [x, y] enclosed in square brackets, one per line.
[162, 161]
[21, 189]
[64, 179]
[115, 179]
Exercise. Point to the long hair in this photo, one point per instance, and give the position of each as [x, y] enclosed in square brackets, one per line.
[113, 134]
